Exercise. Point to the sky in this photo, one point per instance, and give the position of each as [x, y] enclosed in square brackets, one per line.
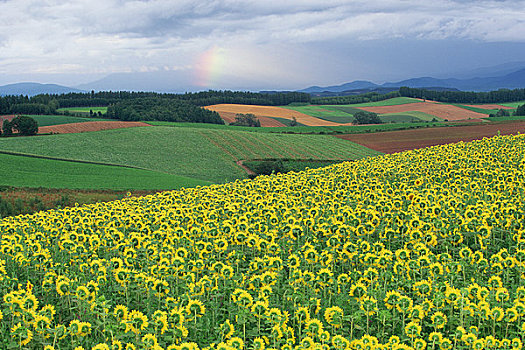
[189, 45]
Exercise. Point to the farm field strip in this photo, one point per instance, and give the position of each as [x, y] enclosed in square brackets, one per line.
[448, 112]
[89, 126]
[269, 111]
[513, 104]
[84, 109]
[396, 101]
[402, 140]
[418, 250]
[21, 171]
[489, 106]
[178, 151]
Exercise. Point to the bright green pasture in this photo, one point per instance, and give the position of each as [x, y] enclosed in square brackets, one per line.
[513, 104]
[199, 153]
[409, 116]
[390, 102]
[84, 109]
[22, 171]
[475, 109]
[344, 129]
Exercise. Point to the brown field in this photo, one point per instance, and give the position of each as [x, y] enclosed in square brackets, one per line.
[403, 140]
[6, 117]
[439, 110]
[73, 128]
[268, 111]
[489, 106]
[229, 117]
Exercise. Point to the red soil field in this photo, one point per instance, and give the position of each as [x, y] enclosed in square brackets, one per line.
[87, 126]
[8, 117]
[489, 106]
[271, 111]
[229, 117]
[403, 140]
[444, 111]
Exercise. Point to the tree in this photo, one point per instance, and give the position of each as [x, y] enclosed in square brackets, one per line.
[293, 122]
[246, 120]
[363, 117]
[26, 126]
[7, 130]
[520, 110]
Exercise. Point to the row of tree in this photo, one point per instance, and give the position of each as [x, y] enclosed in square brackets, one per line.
[499, 96]
[161, 109]
[204, 98]
[352, 99]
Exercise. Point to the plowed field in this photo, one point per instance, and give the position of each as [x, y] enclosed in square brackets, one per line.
[267, 111]
[439, 110]
[87, 126]
[6, 117]
[229, 117]
[403, 140]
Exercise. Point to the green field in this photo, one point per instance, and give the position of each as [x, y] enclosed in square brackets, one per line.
[513, 104]
[21, 171]
[344, 113]
[474, 109]
[409, 116]
[47, 120]
[344, 129]
[390, 102]
[502, 119]
[323, 112]
[199, 153]
[86, 110]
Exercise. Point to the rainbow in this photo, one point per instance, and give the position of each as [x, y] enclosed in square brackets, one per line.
[209, 67]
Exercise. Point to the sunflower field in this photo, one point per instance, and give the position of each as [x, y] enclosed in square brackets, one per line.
[416, 250]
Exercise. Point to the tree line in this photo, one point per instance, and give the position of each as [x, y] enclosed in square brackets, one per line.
[161, 109]
[352, 99]
[203, 98]
[498, 96]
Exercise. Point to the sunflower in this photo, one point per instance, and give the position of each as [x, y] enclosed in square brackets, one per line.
[195, 308]
[314, 327]
[21, 334]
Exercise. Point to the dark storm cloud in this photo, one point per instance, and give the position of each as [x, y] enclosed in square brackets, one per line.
[103, 36]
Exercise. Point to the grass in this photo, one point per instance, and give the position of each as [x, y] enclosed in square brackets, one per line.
[244, 145]
[47, 120]
[199, 153]
[323, 113]
[344, 129]
[22, 171]
[474, 109]
[390, 102]
[508, 118]
[102, 110]
[513, 104]
[409, 116]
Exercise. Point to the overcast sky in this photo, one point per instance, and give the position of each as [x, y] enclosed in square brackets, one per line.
[240, 44]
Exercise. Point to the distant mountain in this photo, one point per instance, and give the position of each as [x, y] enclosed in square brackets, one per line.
[32, 89]
[491, 71]
[512, 80]
[355, 85]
